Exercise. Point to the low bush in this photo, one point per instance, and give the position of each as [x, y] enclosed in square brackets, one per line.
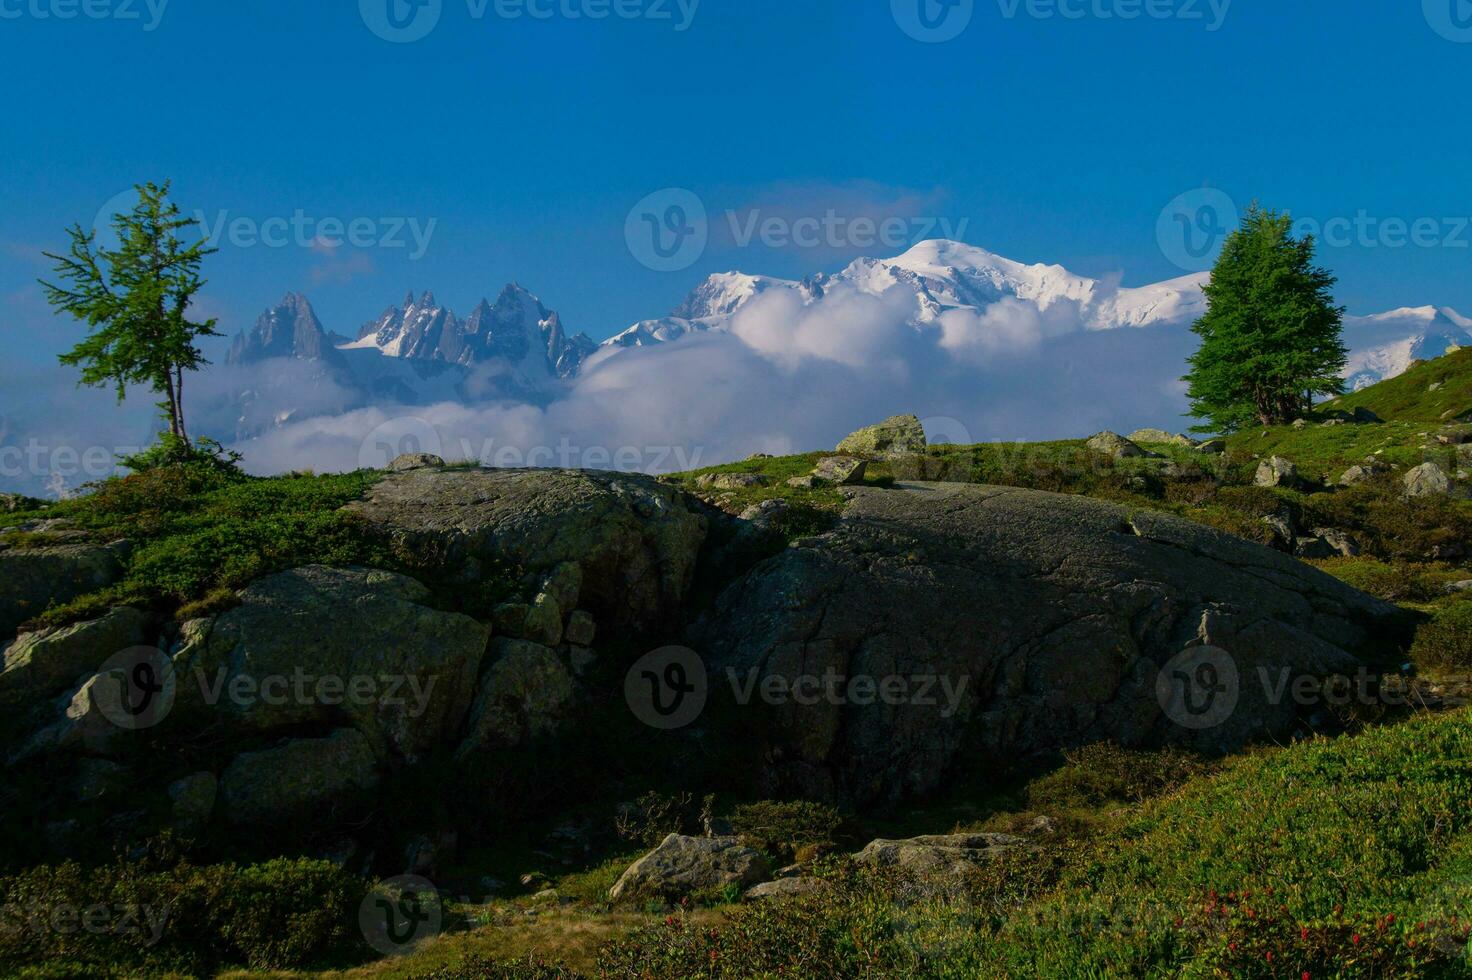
[129, 918]
[1445, 643]
[1106, 773]
[785, 829]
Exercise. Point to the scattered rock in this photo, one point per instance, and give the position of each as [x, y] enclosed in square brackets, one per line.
[1452, 588]
[797, 887]
[1283, 531]
[42, 664]
[31, 579]
[414, 461]
[525, 695]
[360, 626]
[97, 779]
[1041, 621]
[1214, 447]
[1276, 472]
[1303, 423]
[1162, 437]
[1325, 542]
[193, 800]
[12, 502]
[1356, 475]
[683, 865]
[1455, 435]
[897, 434]
[803, 482]
[635, 539]
[935, 855]
[842, 470]
[730, 481]
[1114, 445]
[766, 513]
[581, 629]
[276, 785]
[1427, 480]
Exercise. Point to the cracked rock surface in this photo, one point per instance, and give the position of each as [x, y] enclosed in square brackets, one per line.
[1009, 623]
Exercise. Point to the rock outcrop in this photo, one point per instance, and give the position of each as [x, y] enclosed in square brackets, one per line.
[286, 781]
[682, 866]
[31, 579]
[1276, 471]
[634, 539]
[895, 436]
[968, 625]
[41, 665]
[1115, 446]
[322, 646]
[938, 854]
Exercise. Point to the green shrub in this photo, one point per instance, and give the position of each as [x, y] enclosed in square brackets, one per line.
[286, 913]
[784, 829]
[1105, 773]
[1445, 643]
[654, 816]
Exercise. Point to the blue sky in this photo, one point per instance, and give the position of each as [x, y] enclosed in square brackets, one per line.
[526, 141]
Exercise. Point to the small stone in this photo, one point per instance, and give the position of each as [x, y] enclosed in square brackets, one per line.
[802, 482]
[730, 481]
[509, 618]
[581, 629]
[1276, 472]
[843, 470]
[1214, 447]
[415, 461]
[1427, 480]
[895, 435]
[1114, 445]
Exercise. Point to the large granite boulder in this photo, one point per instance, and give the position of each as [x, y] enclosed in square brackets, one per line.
[634, 538]
[895, 436]
[320, 645]
[32, 579]
[288, 781]
[682, 866]
[948, 626]
[1114, 445]
[938, 854]
[42, 664]
[526, 694]
[1427, 480]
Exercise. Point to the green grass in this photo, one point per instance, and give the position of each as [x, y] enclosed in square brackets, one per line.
[1409, 397]
[196, 536]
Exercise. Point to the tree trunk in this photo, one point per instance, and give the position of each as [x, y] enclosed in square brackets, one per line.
[179, 404]
[173, 402]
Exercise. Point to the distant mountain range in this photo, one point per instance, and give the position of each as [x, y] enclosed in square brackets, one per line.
[420, 352]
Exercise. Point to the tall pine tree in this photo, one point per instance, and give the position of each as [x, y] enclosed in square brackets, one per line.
[1270, 338]
[135, 301]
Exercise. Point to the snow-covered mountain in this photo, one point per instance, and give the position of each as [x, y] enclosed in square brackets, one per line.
[420, 352]
[943, 276]
[1384, 345]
